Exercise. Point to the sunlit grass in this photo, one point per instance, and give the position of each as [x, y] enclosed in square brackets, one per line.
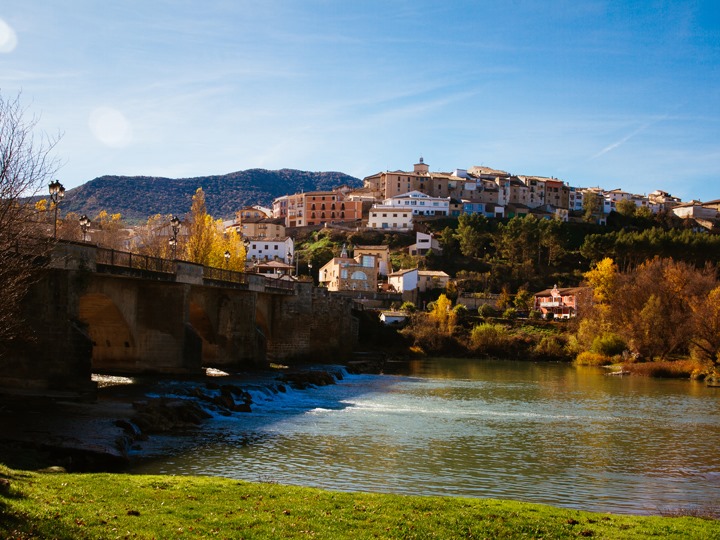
[93, 506]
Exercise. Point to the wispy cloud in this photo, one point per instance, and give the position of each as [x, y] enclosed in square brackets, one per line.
[627, 137]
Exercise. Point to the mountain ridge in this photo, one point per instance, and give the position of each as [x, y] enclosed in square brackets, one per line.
[138, 197]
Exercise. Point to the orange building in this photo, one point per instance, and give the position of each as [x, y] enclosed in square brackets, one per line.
[316, 208]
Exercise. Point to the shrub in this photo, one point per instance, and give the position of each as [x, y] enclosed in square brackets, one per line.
[510, 313]
[588, 358]
[461, 313]
[550, 347]
[409, 307]
[486, 310]
[608, 345]
[489, 338]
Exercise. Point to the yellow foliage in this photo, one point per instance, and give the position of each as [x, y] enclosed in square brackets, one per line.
[603, 280]
[442, 313]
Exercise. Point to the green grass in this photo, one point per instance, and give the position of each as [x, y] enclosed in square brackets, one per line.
[78, 506]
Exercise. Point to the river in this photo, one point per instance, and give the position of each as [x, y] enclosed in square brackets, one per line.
[546, 433]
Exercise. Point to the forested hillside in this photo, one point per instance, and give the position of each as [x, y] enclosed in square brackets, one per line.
[138, 197]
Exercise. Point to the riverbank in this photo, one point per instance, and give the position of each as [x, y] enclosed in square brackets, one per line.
[90, 506]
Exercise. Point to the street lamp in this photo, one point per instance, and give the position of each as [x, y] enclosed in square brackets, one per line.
[227, 258]
[175, 224]
[57, 192]
[84, 226]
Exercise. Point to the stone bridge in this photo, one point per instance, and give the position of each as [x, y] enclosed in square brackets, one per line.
[101, 311]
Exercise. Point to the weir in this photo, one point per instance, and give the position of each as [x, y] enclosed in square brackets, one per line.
[96, 310]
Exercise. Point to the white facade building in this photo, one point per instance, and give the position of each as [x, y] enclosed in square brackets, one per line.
[420, 203]
[390, 217]
[266, 249]
[404, 280]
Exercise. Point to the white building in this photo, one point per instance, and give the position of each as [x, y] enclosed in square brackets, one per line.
[270, 249]
[390, 217]
[420, 203]
[404, 280]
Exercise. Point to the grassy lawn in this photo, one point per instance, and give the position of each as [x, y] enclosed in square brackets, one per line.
[64, 506]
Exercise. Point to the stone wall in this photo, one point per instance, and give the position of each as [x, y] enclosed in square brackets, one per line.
[312, 325]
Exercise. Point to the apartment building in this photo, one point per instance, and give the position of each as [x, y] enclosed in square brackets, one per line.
[390, 217]
[317, 208]
[253, 227]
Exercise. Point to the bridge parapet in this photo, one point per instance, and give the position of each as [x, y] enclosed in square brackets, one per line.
[90, 257]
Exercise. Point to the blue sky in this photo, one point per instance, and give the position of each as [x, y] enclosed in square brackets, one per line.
[610, 94]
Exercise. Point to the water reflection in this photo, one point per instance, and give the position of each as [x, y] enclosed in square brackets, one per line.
[536, 432]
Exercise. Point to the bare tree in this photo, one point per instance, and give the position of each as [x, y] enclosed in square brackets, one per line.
[26, 167]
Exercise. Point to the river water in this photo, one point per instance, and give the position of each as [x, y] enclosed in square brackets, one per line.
[546, 433]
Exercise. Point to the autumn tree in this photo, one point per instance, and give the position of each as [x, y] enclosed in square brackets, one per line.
[441, 313]
[595, 322]
[206, 242]
[652, 306]
[603, 280]
[153, 238]
[705, 341]
[229, 242]
[658, 309]
[26, 168]
[110, 231]
[201, 231]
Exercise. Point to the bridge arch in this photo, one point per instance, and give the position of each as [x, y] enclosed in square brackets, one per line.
[113, 342]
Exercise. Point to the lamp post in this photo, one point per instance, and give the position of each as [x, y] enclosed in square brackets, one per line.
[175, 224]
[84, 226]
[227, 258]
[57, 192]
